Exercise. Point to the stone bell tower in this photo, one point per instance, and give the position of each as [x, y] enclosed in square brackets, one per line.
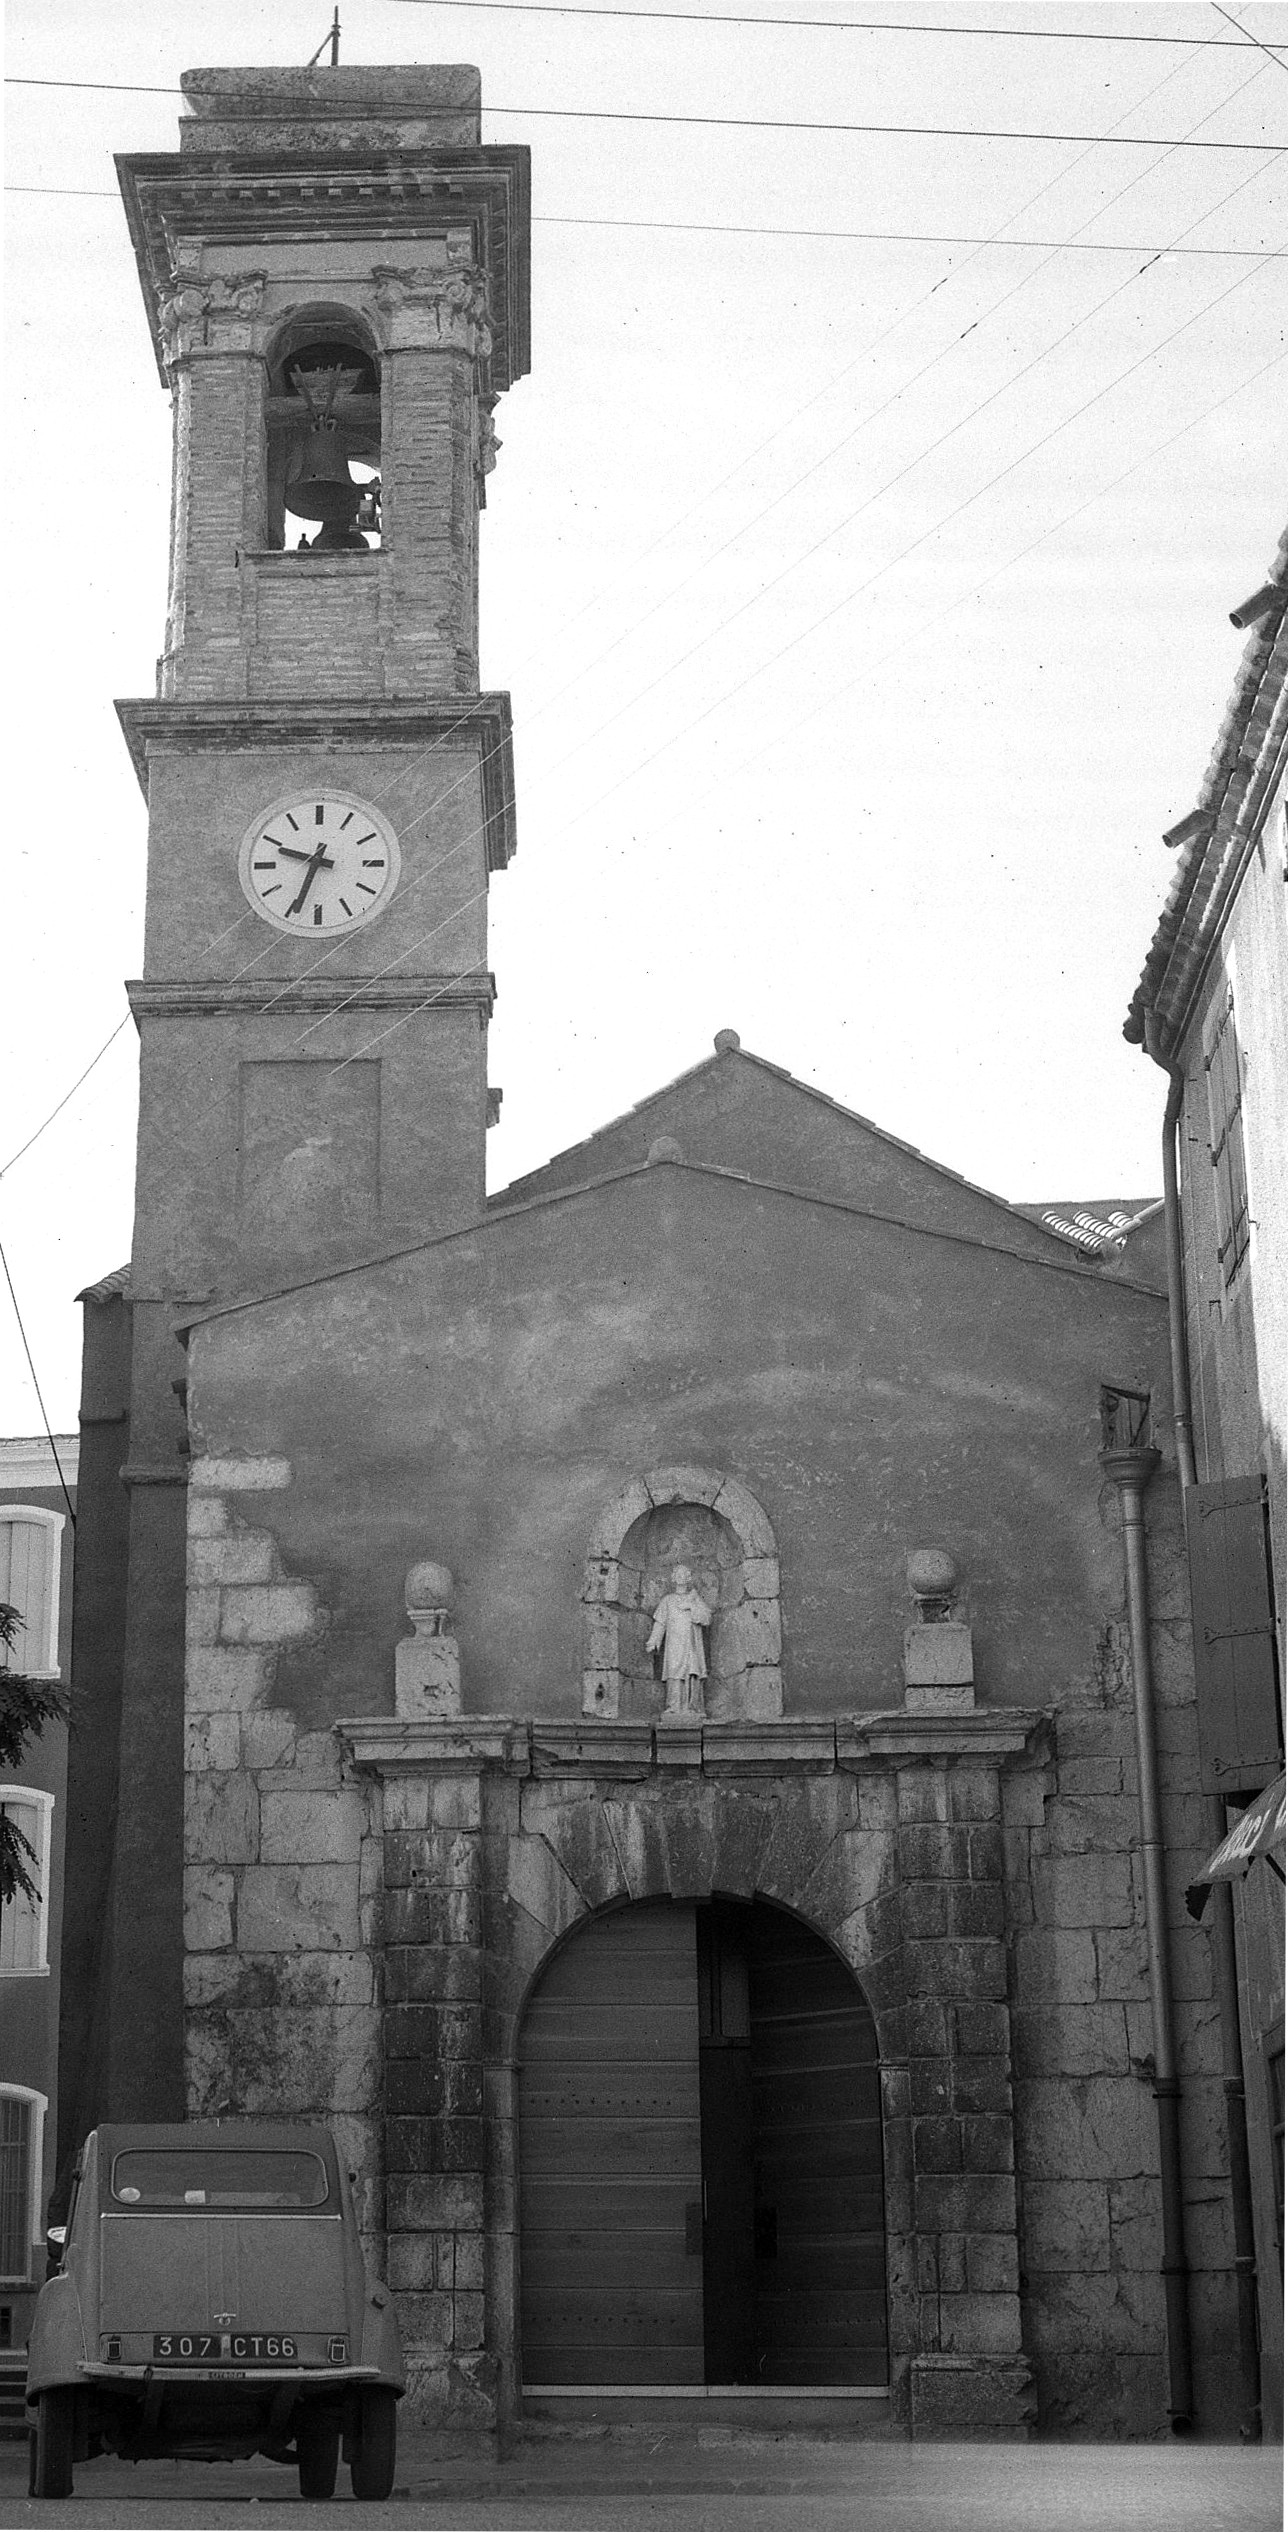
[335, 274]
[336, 277]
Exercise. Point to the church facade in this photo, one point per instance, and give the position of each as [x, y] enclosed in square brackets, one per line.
[658, 1703]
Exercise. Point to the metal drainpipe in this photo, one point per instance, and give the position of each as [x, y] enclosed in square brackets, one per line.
[1131, 1471]
[1224, 1965]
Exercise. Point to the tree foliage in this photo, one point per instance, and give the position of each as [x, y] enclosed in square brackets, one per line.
[26, 1706]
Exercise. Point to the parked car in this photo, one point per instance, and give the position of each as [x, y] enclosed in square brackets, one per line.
[210, 2302]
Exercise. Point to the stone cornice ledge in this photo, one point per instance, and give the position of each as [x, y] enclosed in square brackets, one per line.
[183, 997]
[478, 721]
[383, 1745]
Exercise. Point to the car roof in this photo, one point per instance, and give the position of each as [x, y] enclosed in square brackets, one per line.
[292, 2136]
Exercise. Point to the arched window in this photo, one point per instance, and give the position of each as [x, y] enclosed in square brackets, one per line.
[30, 1558]
[24, 1919]
[322, 427]
[22, 2129]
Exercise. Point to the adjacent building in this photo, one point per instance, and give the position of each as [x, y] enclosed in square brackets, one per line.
[37, 1500]
[1212, 1009]
[659, 1703]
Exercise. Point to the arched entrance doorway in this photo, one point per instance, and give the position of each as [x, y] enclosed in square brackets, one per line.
[701, 2194]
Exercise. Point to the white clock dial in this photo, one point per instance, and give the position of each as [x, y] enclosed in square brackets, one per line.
[319, 863]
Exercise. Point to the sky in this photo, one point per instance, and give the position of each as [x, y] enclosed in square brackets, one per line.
[859, 561]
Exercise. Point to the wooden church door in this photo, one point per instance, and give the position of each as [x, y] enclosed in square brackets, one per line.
[610, 2156]
[700, 2157]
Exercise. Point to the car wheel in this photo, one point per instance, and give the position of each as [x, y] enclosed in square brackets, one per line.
[372, 2466]
[317, 2447]
[54, 2442]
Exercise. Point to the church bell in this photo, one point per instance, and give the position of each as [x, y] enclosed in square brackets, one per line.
[321, 486]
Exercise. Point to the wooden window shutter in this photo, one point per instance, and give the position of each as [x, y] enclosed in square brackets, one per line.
[1236, 1682]
[1225, 1114]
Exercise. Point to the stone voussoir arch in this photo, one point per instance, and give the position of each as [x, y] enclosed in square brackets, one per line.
[805, 1843]
[755, 1688]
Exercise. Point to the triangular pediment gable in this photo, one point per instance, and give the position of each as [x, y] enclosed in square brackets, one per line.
[735, 1111]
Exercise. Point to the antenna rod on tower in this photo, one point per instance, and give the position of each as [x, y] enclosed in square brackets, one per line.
[332, 37]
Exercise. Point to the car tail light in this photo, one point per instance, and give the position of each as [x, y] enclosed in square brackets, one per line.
[111, 2351]
[337, 2350]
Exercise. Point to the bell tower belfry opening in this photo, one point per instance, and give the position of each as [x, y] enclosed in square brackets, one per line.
[335, 276]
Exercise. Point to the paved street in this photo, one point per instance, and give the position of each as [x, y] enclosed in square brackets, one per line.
[711, 2483]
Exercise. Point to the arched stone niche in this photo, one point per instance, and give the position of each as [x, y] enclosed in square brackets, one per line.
[711, 1522]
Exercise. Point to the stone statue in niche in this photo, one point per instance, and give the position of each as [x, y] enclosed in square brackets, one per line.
[679, 1621]
[659, 1522]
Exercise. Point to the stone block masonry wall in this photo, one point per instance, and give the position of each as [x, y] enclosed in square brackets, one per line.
[1086, 2118]
[957, 2196]
[282, 1870]
[489, 1867]
[433, 2075]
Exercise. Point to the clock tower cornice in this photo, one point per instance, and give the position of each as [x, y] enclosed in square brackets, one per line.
[462, 209]
[155, 726]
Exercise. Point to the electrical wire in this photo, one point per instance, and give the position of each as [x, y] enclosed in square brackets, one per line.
[457, 913]
[1048, 186]
[591, 807]
[71, 1508]
[416, 818]
[838, 26]
[68, 1094]
[875, 413]
[842, 237]
[1249, 37]
[773, 123]
[852, 595]
[828, 701]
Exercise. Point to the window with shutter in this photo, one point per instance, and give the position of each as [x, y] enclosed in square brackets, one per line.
[1224, 1070]
[24, 1920]
[1236, 1678]
[17, 2122]
[30, 1552]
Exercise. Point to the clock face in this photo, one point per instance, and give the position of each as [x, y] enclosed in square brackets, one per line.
[319, 864]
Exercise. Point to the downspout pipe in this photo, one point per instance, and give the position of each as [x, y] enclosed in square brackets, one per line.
[1224, 1965]
[1182, 1410]
[1130, 1471]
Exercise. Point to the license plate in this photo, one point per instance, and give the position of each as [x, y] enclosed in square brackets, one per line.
[222, 2347]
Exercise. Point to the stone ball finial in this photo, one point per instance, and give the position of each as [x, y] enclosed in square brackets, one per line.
[932, 1574]
[428, 1586]
[664, 1148]
[727, 1041]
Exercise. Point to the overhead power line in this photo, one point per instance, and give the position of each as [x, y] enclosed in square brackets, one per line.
[844, 26]
[67, 1094]
[40, 1399]
[1249, 37]
[840, 237]
[773, 123]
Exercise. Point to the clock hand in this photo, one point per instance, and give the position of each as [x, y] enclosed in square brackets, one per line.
[292, 853]
[315, 861]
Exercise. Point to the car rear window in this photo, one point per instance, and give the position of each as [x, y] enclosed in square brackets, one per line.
[233, 2177]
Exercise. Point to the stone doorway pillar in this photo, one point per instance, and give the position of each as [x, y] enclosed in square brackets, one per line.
[969, 2374]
